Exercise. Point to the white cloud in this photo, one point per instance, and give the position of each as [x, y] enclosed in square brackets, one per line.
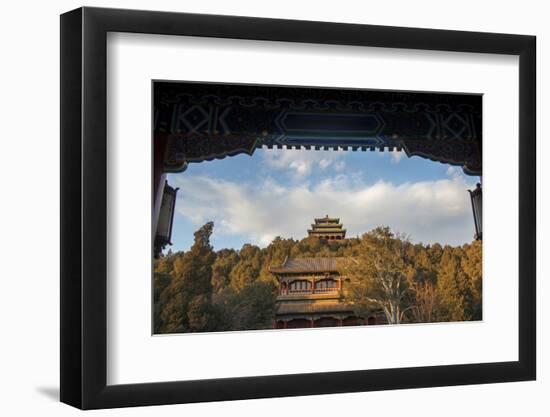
[453, 171]
[429, 211]
[301, 162]
[339, 166]
[324, 163]
[397, 156]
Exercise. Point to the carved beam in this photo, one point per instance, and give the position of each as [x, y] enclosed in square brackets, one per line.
[207, 121]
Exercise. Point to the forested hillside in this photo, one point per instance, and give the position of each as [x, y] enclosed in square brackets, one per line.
[206, 290]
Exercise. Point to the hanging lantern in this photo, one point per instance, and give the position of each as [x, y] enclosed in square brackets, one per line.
[166, 218]
[475, 196]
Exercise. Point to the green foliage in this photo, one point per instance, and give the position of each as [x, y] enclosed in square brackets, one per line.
[455, 288]
[249, 309]
[226, 260]
[378, 274]
[191, 277]
[248, 268]
[200, 315]
[202, 290]
[414, 283]
[472, 264]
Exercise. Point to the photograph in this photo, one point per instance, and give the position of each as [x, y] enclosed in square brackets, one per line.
[336, 202]
[291, 207]
[275, 209]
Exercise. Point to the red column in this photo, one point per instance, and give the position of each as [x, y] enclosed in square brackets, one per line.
[312, 323]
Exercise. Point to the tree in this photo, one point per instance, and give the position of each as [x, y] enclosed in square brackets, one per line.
[192, 276]
[203, 290]
[200, 315]
[252, 308]
[377, 274]
[455, 289]
[472, 265]
[423, 298]
[425, 302]
[226, 259]
[247, 270]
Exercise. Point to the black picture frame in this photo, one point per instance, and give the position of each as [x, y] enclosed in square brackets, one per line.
[84, 207]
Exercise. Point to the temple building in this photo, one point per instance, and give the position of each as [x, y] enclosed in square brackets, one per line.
[311, 290]
[327, 228]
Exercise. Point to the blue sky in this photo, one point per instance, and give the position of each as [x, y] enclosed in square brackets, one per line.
[253, 199]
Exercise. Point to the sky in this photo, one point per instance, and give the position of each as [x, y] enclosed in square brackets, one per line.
[278, 192]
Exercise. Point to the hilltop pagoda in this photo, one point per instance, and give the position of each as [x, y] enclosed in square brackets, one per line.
[312, 290]
[328, 228]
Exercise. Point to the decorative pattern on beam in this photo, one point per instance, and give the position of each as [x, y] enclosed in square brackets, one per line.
[209, 121]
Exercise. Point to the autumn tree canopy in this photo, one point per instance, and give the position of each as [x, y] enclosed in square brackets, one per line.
[206, 290]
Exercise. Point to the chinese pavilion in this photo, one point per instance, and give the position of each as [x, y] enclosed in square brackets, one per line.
[311, 290]
[327, 228]
[310, 295]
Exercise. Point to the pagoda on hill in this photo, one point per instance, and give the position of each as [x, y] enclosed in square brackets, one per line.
[312, 290]
[328, 228]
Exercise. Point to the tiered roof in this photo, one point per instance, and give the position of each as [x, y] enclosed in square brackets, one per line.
[327, 219]
[327, 228]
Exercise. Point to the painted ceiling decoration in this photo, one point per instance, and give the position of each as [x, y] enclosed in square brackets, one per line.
[209, 121]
